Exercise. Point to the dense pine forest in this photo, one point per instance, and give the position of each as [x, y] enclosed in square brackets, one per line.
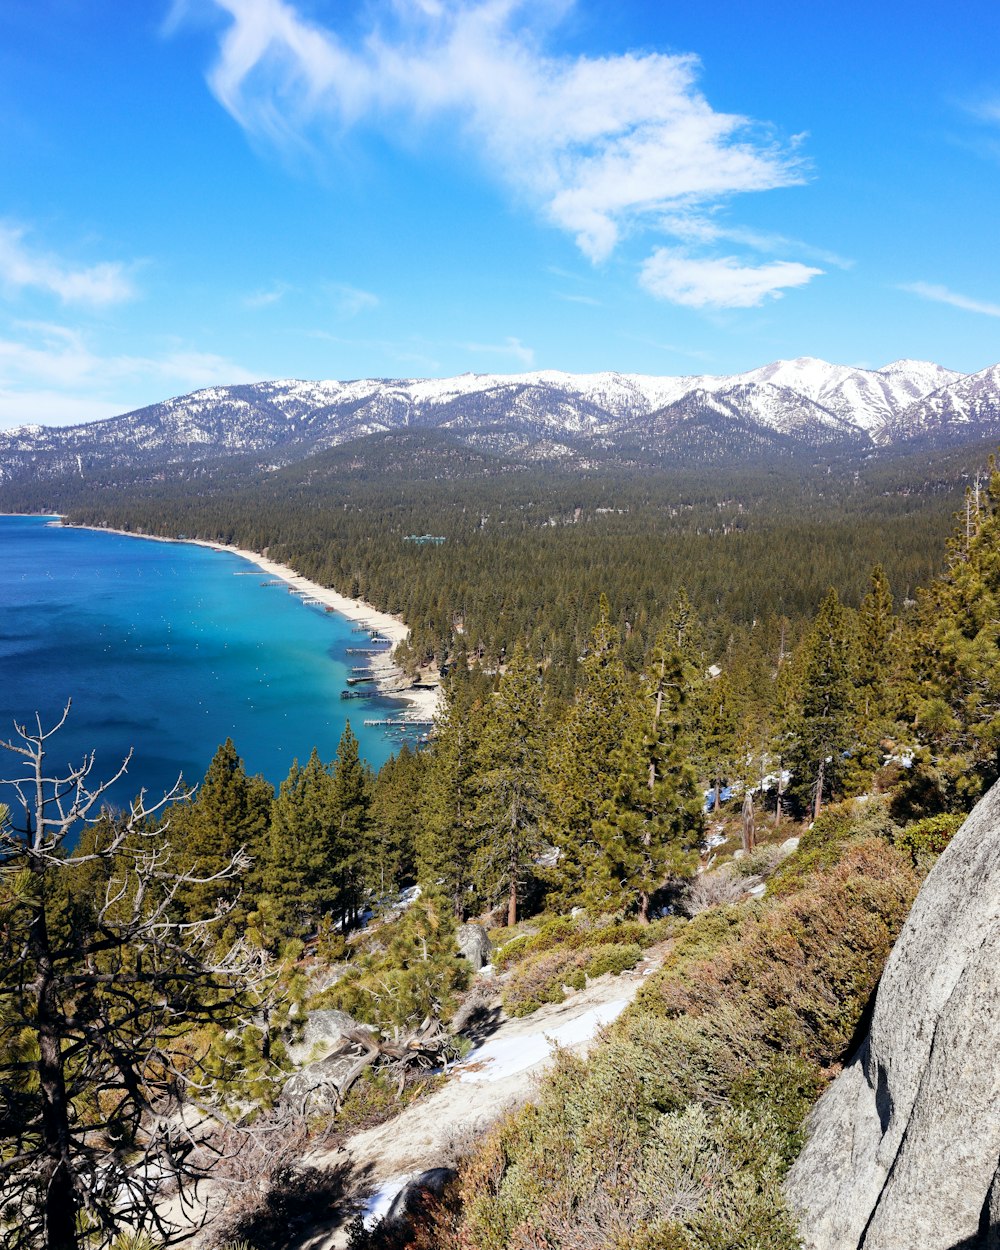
[631, 662]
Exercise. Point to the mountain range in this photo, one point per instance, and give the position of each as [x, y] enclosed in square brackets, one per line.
[779, 408]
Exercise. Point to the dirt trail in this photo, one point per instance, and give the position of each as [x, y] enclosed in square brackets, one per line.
[498, 1075]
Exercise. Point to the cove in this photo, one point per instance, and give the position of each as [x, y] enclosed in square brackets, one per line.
[167, 649]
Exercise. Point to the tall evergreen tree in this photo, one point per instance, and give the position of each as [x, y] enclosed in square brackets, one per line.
[395, 821]
[301, 881]
[649, 826]
[822, 728]
[349, 802]
[720, 739]
[230, 812]
[583, 762]
[446, 845]
[955, 658]
[876, 668]
[509, 799]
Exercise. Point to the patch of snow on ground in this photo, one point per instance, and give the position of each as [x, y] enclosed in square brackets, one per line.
[505, 1056]
[378, 1205]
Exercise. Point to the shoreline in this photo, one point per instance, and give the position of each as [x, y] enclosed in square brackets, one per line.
[423, 702]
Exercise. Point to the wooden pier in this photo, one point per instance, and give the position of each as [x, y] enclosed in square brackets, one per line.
[359, 694]
[357, 681]
[396, 722]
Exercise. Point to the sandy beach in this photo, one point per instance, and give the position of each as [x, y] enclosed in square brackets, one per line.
[423, 701]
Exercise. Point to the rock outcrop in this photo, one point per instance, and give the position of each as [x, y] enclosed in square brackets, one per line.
[903, 1150]
[474, 944]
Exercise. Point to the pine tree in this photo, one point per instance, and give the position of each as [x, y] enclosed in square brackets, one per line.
[415, 975]
[395, 821]
[446, 845]
[229, 813]
[350, 798]
[720, 748]
[301, 880]
[583, 763]
[509, 799]
[650, 824]
[954, 694]
[876, 667]
[822, 729]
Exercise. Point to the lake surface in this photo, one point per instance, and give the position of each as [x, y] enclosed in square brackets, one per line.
[164, 650]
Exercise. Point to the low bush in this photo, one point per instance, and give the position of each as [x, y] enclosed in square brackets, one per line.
[376, 1097]
[925, 839]
[541, 978]
[613, 959]
[575, 933]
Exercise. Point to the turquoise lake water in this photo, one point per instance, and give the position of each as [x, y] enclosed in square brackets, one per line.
[162, 649]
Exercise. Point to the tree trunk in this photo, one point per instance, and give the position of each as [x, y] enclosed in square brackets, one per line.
[60, 1199]
[818, 805]
[780, 793]
[512, 903]
[749, 839]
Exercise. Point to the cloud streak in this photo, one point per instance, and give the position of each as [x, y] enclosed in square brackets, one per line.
[50, 374]
[941, 295]
[94, 285]
[510, 347]
[598, 145]
[720, 282]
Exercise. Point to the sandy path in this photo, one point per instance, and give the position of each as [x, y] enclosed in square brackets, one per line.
[499, 1075]
[424, 701]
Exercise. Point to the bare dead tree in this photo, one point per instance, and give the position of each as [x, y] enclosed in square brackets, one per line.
[105, 1104]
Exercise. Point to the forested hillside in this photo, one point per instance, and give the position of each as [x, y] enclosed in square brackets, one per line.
[528, 553]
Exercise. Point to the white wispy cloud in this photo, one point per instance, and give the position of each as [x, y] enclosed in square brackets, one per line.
[512, 348]
[597, 144]
[985, 109]
[265, 298]
[49, 373]
[719, 282]
[941, 295]
[22, 266]
[700, 229]
[580, 299]
[351, 300]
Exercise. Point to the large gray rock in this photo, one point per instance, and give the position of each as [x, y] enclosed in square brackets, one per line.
[318, 1083]
[903, 1149]
[322, 1033]
[326, 1026]
[474, 943]
[431, 1182]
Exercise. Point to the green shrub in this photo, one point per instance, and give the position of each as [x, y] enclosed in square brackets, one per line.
[575, 933]
[822, 845]
[539, 978]
[376, 1097]
[615, 959]
[928, 837]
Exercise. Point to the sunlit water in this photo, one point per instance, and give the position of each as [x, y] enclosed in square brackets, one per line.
[164, 650]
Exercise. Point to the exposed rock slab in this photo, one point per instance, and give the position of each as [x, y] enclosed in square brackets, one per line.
[903, 1149]
[474, 943]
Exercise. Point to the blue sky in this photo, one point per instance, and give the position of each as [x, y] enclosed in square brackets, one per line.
[211, 191]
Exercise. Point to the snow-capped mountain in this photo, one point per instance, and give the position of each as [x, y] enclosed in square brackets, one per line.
[540, 415]
[971, 402]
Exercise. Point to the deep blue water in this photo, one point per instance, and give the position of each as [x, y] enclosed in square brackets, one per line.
[162, 649]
